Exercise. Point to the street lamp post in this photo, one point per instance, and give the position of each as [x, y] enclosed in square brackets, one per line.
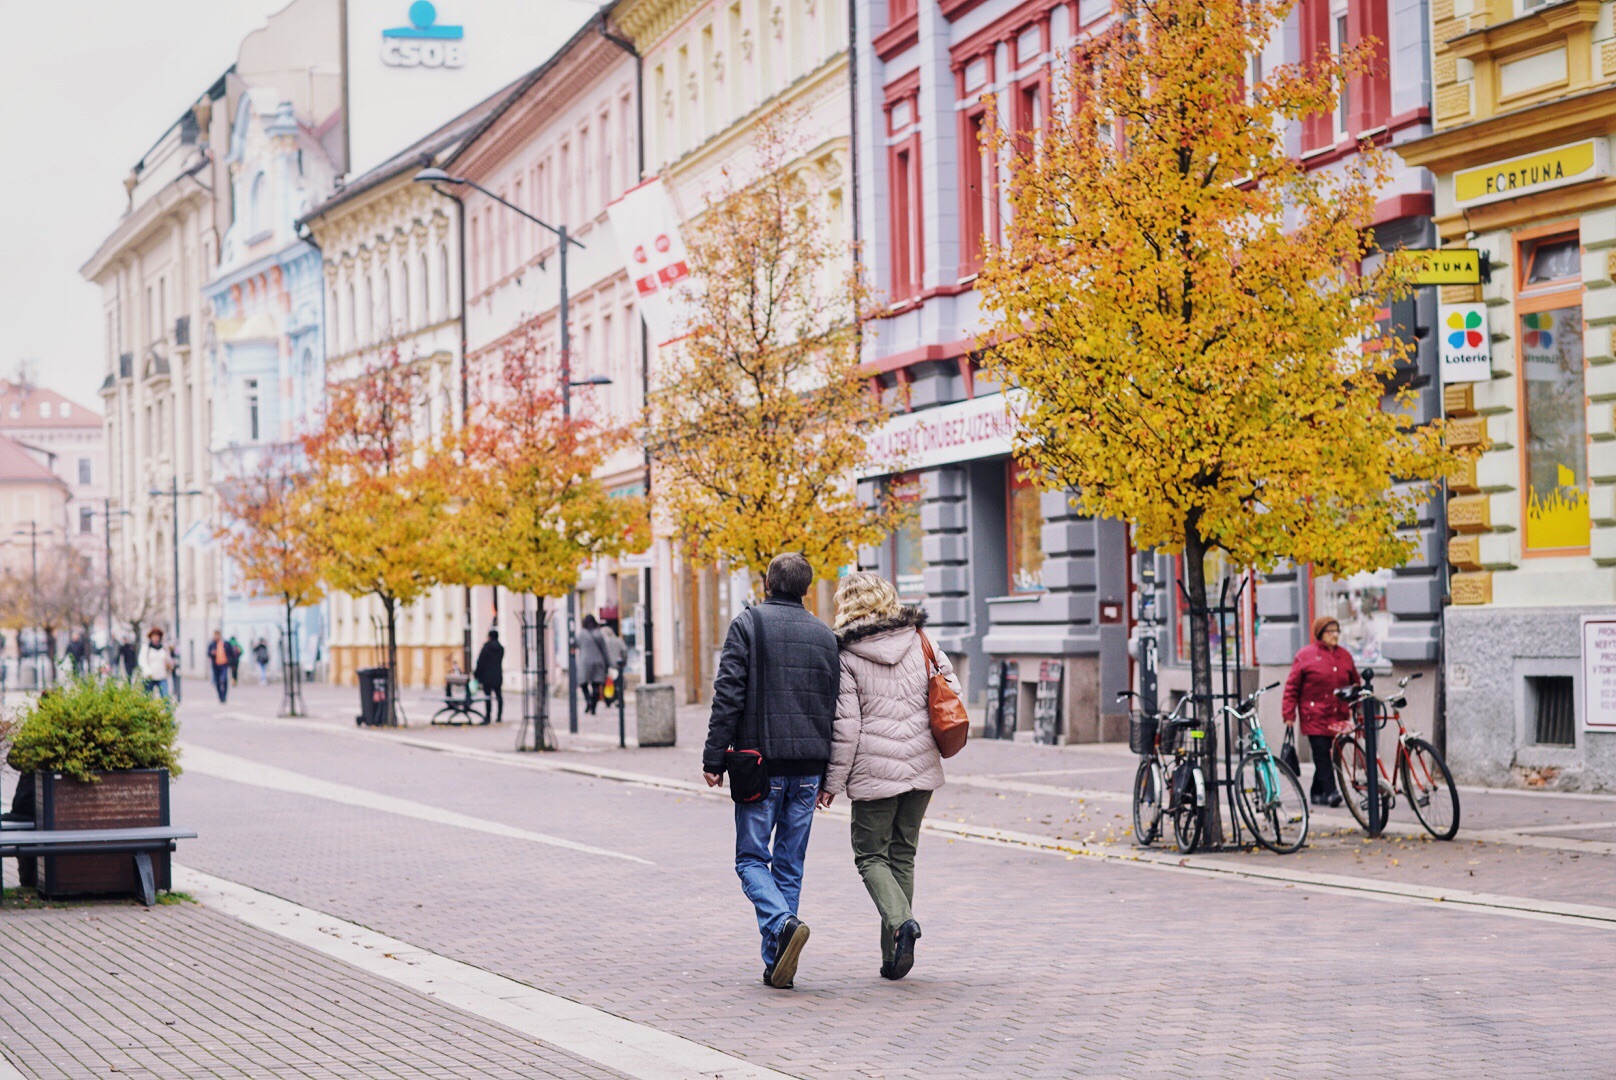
[106, 523]
[173, 492]
[565, 241]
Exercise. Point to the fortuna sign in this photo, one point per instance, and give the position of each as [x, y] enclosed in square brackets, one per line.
[424, 43]
[1531, 173]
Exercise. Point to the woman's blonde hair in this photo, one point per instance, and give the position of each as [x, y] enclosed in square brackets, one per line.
[864, 595]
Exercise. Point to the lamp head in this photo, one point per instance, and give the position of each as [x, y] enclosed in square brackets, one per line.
[435, 176]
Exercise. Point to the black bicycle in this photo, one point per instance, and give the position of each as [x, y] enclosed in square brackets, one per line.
[1170, 781]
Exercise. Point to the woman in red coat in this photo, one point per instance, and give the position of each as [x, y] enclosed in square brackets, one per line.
[1318, 671]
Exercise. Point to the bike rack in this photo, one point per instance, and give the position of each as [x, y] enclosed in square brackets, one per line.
[1227, 614]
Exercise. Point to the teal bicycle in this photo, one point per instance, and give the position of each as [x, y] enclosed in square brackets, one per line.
[1267, 792]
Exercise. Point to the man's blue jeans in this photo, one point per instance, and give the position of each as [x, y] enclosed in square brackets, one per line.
[772, 875]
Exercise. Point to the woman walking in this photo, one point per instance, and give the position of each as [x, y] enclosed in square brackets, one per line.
[883, 754]
[592, 659]
[1319, 670]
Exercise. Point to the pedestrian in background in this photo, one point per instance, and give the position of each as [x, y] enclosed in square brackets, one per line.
[235, 659]
[774, 707]
[128, 657]
[156, 663]
[261, 658]
[883, 755]
[219, 660]
[78, 653]
[490, 671]
[592, 662]
[1319, 670]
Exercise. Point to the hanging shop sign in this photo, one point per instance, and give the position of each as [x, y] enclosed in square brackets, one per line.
[983, 427]
[1465, 346]
[647, 230]
[1450, 266]
[1531, 173]
[1598, 673]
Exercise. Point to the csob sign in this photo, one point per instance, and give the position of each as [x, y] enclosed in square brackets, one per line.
[424, 43]
[1598, 673]
[964, 431]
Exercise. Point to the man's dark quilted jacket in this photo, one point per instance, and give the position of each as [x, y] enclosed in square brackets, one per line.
[800, 686]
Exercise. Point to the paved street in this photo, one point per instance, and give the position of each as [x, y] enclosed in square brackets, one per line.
[1049, 950]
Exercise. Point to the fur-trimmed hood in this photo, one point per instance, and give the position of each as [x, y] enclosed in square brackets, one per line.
[882, 638]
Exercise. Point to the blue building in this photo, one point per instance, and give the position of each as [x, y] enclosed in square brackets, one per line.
[265, 337]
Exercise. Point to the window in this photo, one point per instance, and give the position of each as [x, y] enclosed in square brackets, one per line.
[979, 225]
[404, 295]
[443, 281]
[252, 410]
[1553, 709]
[1359, 604]
[353, 319]
[44, 410]
[426, 291]
[519, 242]
[387, 304]
[907, 560]
[908, 252]
[85, 475]
[1548, 307]
[258, 208]
[1339, 42]
[1026, 531]
[86, 520]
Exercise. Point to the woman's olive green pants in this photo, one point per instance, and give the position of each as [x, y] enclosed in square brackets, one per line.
[885, 835]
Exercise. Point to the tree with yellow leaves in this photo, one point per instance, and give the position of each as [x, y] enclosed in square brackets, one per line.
[759, 421]
[1192, 313]
[378, 493]
[265, 536]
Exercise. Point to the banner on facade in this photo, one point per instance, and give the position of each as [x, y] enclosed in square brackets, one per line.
[1598, 673]
[983, 427]
[1530, 173]
[1465, 345]
[647, 231]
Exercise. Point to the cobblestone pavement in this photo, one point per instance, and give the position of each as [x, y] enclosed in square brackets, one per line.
[1033, 964]
[181, 991]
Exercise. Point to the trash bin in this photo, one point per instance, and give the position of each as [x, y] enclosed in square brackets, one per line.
[374, 691]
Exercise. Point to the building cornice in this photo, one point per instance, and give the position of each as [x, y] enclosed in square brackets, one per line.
[1550, 123]
[647, 22]
[139, 223]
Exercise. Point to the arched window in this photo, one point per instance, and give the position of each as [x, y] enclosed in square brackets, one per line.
[353, 319]
[404, 296]
[370, 313]
[258, 213]
[333, 316]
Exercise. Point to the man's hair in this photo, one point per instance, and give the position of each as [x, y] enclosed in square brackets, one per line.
[789, 575]
[493, 635]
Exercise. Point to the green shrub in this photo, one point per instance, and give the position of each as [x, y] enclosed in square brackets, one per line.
[95, 724]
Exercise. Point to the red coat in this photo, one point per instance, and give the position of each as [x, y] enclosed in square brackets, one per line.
[1316, 674]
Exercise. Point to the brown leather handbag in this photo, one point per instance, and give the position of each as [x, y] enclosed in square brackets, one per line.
[950, 725]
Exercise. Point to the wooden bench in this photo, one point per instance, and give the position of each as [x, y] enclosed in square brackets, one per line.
[26, 843]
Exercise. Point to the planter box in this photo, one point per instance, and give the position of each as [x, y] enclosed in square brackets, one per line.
[121, 800]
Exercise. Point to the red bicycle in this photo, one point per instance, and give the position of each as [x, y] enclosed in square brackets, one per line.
[1422, 776]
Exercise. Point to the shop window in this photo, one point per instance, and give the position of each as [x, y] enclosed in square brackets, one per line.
[1548, 307]
[1026, 531]
[1358, 603]
[1552, 704]
[906, 560]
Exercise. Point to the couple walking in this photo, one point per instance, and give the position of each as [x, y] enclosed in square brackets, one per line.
[829, 713]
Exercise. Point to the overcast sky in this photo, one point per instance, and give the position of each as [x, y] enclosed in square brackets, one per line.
[85, 89]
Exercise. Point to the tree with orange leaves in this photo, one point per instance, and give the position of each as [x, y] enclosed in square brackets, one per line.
[760, 419]
[1191, 312]
[531, 510]
[267, 539]
[378, 494]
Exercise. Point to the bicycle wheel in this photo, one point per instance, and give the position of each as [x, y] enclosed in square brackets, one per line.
[1429, 787]
[1351, 763]
[1271, 801]
[1186, 813]
[1147, 803]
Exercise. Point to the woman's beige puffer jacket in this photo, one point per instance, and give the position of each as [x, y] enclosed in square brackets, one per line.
[882, 744]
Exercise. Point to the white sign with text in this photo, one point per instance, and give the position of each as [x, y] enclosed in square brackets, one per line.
[1466, 345]
[647, 230]
[1598, 673]
[983, 427]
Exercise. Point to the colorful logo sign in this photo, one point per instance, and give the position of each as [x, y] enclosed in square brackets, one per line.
[1539, 330]
[423, 43]
[1465, 346]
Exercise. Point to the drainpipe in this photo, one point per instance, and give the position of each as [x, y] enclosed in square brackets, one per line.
[647, 632]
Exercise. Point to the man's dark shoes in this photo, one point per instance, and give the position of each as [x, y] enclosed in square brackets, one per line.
[787, 949]
[903, 953]
[768, 979]
[886, 970]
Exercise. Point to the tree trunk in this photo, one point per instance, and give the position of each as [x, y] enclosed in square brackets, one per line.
[1195, 549]
[390, 606]
[291, 670]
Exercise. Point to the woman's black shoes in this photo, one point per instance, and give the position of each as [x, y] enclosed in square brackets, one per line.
[903, 952]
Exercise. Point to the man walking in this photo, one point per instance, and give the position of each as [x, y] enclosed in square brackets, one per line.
[261, 658]
[219, 658]
[490, 672]
[775, 693]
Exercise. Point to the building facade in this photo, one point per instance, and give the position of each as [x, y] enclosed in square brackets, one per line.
[712, 69]
[72, 438]
[562, 147]
[265, 351]
[1520, 150]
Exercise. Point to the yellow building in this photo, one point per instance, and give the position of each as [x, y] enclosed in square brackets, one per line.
[1525, 104]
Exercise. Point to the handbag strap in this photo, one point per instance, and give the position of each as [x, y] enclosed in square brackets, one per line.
[932, 666]
[761, 654]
